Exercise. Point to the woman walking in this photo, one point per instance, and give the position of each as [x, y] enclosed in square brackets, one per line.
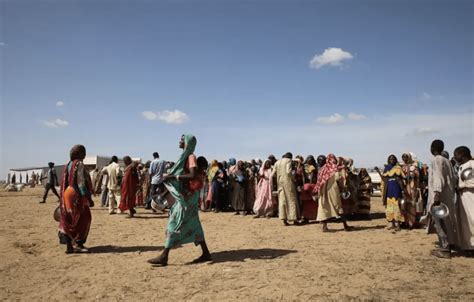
[76, 190]
[184, 225]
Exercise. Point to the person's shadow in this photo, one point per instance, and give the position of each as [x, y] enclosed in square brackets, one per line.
[253, 254]
[103, 249]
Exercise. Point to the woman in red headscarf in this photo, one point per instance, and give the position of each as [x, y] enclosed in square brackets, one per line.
[329, 196]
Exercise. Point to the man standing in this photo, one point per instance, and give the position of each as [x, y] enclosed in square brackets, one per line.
[157, 168]
[465, 201]
[113, 185]
[51, 183]
[441, 184]
[94, 175]
[287, 198]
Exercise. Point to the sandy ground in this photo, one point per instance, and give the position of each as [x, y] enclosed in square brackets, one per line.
[254, 259]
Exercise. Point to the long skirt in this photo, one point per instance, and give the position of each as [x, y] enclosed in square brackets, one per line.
[238, 202]
[392, 212]
[76, 218]
[184, 225]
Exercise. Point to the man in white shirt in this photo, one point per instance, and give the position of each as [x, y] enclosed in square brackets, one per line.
[113, 185]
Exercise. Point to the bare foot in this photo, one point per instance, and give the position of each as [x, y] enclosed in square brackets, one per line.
[203, 258]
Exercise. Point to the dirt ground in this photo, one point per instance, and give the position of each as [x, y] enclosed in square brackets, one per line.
[254, 260]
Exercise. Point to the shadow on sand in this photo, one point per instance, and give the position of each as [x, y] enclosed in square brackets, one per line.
[356, 228]
[103, 249]
[253, 254]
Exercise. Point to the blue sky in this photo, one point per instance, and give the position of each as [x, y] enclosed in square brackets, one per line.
[131, 76]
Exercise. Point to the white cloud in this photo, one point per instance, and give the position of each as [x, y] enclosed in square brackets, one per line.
[426, 96]
[335, 118]
[57, 123]
[168, 117]
[3, 43]
[331, 56]
[59, 103]
[424, 131]
[173, 117]
[150, 115]
[356, 117]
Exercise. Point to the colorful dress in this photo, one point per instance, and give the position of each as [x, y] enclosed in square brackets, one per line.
[412, 193]
[184, 225]
[393, 192]
[263, 205]
[327, 188]
[76, 191]
[365, 186]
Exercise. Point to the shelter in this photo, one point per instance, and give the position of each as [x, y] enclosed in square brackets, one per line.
[23, 175]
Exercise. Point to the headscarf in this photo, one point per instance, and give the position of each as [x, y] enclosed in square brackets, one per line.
[262, 168]
[391, 170]
[321, 158]
[326, 172]
[409, 156]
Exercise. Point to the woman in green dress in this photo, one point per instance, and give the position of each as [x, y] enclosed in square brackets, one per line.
[183, 182]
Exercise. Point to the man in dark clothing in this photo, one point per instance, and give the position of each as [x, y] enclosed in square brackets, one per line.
[51, 183]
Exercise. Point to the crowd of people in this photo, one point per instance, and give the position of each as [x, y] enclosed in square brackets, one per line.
[297, 190]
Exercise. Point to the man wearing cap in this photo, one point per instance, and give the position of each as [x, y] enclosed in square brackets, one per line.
[51, 182]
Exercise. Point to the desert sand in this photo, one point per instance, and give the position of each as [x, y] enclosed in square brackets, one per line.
[254, 260]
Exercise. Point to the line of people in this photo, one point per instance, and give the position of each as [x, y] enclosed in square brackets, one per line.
[299, 190]
[296, 190]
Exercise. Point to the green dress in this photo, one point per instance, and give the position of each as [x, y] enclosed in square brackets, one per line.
[184, 225]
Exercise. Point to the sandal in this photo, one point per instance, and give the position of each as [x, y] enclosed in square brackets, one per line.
[158, 262]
